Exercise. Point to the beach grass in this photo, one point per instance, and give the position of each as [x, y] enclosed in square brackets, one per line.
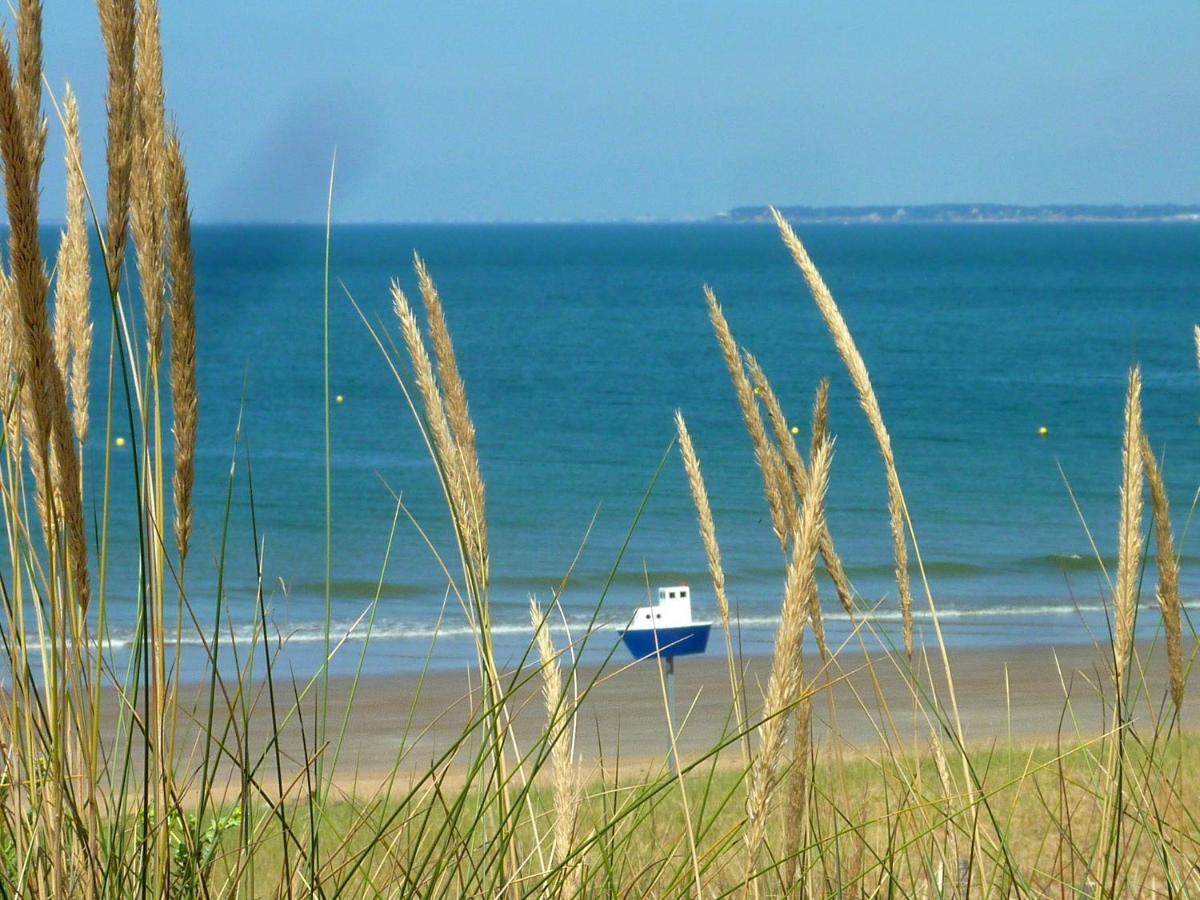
[640, 848]
[150, 778]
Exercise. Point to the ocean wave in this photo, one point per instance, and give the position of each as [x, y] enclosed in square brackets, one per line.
[625, 582]
[1080, 562]
[932, 567]
[340, 632]
[361, 588]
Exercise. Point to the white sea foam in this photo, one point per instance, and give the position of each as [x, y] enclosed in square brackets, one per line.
[401, 630]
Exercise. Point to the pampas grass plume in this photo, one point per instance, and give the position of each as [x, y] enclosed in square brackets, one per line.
[786, 678]
[1129, 534]
[1168, 572]
[184, 391]
[860, 377]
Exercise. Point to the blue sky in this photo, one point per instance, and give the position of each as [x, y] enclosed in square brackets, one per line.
[620, 110]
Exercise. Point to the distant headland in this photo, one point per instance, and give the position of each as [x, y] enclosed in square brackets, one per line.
[947, 213]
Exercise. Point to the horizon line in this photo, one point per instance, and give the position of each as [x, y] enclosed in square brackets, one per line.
[726, 217]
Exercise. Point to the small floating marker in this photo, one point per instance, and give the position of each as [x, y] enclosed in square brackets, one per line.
[795, 429]
[339, 399]
[120, 442]
[1043, 431]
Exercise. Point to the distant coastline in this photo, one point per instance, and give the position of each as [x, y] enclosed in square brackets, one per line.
[953, 213]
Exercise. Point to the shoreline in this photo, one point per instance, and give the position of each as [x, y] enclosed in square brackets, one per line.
[399, 649]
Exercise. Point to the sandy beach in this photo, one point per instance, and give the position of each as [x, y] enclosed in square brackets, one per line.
[406, 724]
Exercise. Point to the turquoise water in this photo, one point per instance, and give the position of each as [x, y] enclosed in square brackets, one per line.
[577, 343]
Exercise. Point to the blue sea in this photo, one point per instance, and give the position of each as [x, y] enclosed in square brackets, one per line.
[578, 343]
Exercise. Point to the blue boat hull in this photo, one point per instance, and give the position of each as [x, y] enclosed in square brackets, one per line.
[686, 640]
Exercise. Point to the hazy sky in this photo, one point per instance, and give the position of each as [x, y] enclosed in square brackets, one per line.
[446, 111]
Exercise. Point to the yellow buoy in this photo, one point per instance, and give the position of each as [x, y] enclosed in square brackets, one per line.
[120, 442]
[340, 399]
[1043, 431]
[795, 429]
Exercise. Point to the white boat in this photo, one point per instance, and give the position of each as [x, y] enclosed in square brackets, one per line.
[666, 628]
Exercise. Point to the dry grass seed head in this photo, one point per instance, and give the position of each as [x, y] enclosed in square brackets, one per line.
[1168, 572]
[796, 815]
[833, 562]
[797, 480]
[820, 414]
[712, 551]
[566, 785]
[785, 683]
[458, 413]
[449, 462]
[9, 362]
[860, 377]
[1129, 535]
[780, 495]
[118, 25]
[73, 284]
[708, 527]
[55, 463]
[752, 416]
[184, 392]
[29, 82]
[796, 469]
[149, 175]
[62, 332]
